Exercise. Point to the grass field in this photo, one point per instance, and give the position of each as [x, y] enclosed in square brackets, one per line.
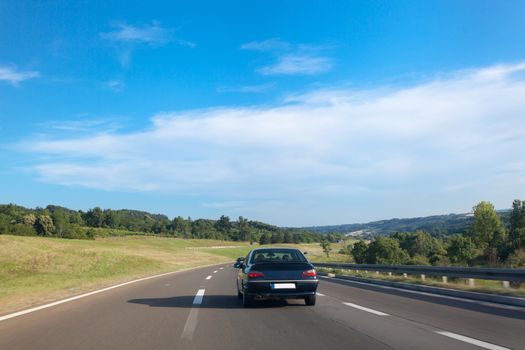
[35, 270]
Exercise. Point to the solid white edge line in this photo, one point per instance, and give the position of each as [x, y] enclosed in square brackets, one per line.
[372, 311]
[472, 341]
[58, 302]
[198, 297]
[320, 294]
[209, 277]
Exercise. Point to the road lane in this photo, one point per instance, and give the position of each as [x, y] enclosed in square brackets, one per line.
[490, 324]
[226, 324]
[162, 314]
[117, 319]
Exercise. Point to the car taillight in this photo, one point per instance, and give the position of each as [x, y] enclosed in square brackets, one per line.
[255, 274]
[309, 273]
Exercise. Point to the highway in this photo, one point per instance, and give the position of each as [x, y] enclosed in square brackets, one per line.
[199, 309]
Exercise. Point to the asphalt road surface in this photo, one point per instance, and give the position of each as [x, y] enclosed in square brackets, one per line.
[199, 309]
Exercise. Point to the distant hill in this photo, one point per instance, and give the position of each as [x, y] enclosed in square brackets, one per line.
[439, 225]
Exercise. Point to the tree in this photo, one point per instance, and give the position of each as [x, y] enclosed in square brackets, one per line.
[461, 250]
[487, 232]
[29, 219]
[94, 217]
[517, 225]
[182, 227]
[223, 225]
[359, 251]
[266, 238]
[61, 222]
[415, 243]
[44, 225]
[325, 244]
[244, 229]
[277, 237]
[386, 250]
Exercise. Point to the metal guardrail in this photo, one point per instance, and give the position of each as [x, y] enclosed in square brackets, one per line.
[482, 273]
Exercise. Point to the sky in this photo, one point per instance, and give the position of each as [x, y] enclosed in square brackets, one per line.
[295, 113]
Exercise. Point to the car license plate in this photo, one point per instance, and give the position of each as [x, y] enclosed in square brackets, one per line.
[283, 285]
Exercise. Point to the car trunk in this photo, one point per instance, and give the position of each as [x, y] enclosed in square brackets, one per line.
[282, 271]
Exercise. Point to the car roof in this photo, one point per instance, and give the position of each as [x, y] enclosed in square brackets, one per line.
[274, 248]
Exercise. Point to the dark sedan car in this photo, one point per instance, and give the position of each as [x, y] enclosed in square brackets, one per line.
[269, 273]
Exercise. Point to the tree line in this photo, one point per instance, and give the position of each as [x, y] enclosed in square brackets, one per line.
[56, 221]
[487, 242]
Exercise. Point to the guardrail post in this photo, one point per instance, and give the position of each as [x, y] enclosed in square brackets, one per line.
[377, 272]
[444, 279]
[390, 273]
[471, 282]
[505, 284]
[423, 277]
[405, 275]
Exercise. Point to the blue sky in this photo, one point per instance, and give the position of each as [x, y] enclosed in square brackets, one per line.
[291, 112]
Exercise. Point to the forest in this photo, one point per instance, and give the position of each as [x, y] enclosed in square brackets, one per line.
[491, 238]
[57, 221]
[488, 241]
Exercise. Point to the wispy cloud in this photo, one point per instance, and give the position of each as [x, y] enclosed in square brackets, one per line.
[333, 146]
[86, 124]
[152, 34]
[14, 76]
[126, 38]
[298, 64]
[292, 59]
[266, 45]
[115, 85]
[247, 88]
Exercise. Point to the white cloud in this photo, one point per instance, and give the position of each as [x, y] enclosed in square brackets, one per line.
[115, 85]
[266, 45]
[298, 64]
[150, 34]
[86, 123]
[327, 146]
[126, 38]
[247, 88]
[15, 77]
[292, 59]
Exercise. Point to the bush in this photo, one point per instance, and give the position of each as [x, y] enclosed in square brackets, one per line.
[386, 250]
[418, 260]
[516, 259]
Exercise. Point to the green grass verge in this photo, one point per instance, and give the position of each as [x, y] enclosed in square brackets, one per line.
[34, 270]
[481, 286]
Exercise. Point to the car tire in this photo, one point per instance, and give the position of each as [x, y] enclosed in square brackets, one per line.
[247, 300]
[310, 300]
[239, 294]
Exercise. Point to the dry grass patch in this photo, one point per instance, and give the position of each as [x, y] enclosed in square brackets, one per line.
[35, 270]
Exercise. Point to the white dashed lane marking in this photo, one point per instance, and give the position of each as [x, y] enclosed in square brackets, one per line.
[472, 341]
[320, 294]
[198, 297]
[209, 277]
[215, 271]
[372, 311]
[191, 322]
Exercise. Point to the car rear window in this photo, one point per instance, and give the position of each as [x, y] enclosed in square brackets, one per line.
[277, 256]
